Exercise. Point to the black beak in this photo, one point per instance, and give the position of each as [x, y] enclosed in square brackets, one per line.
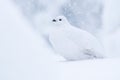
[54, 20]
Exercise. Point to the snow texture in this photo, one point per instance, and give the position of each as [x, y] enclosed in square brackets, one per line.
[106, 69]
[24, 55]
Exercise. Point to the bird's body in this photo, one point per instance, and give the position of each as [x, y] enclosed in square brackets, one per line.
[74, 44]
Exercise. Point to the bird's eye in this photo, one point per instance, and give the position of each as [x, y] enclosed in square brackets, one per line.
[54, 20]
[60, 19]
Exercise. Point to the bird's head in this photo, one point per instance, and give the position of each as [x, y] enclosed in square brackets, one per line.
[60, 21]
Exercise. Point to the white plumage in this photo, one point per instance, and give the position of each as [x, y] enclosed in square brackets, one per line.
[73, 43]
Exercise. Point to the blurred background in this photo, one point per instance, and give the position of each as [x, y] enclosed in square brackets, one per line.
[99, 17]
[25, 54]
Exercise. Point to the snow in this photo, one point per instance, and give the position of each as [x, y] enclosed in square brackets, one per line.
[111, 24]
[107, 69]
[85, 14]
[17, 35]
[111, 17]
[25, 55]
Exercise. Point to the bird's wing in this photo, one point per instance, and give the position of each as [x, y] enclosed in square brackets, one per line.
[63, 45]
[85, 40]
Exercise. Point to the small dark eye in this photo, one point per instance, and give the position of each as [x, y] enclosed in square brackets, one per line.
[60, 19]
[54, 20]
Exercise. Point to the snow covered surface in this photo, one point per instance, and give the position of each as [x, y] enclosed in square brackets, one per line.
[24, 55]
[106, 69]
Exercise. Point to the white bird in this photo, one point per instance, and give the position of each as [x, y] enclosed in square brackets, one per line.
[73, 43]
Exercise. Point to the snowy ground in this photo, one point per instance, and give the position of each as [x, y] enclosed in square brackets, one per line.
[24, 55]
[107, 69]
